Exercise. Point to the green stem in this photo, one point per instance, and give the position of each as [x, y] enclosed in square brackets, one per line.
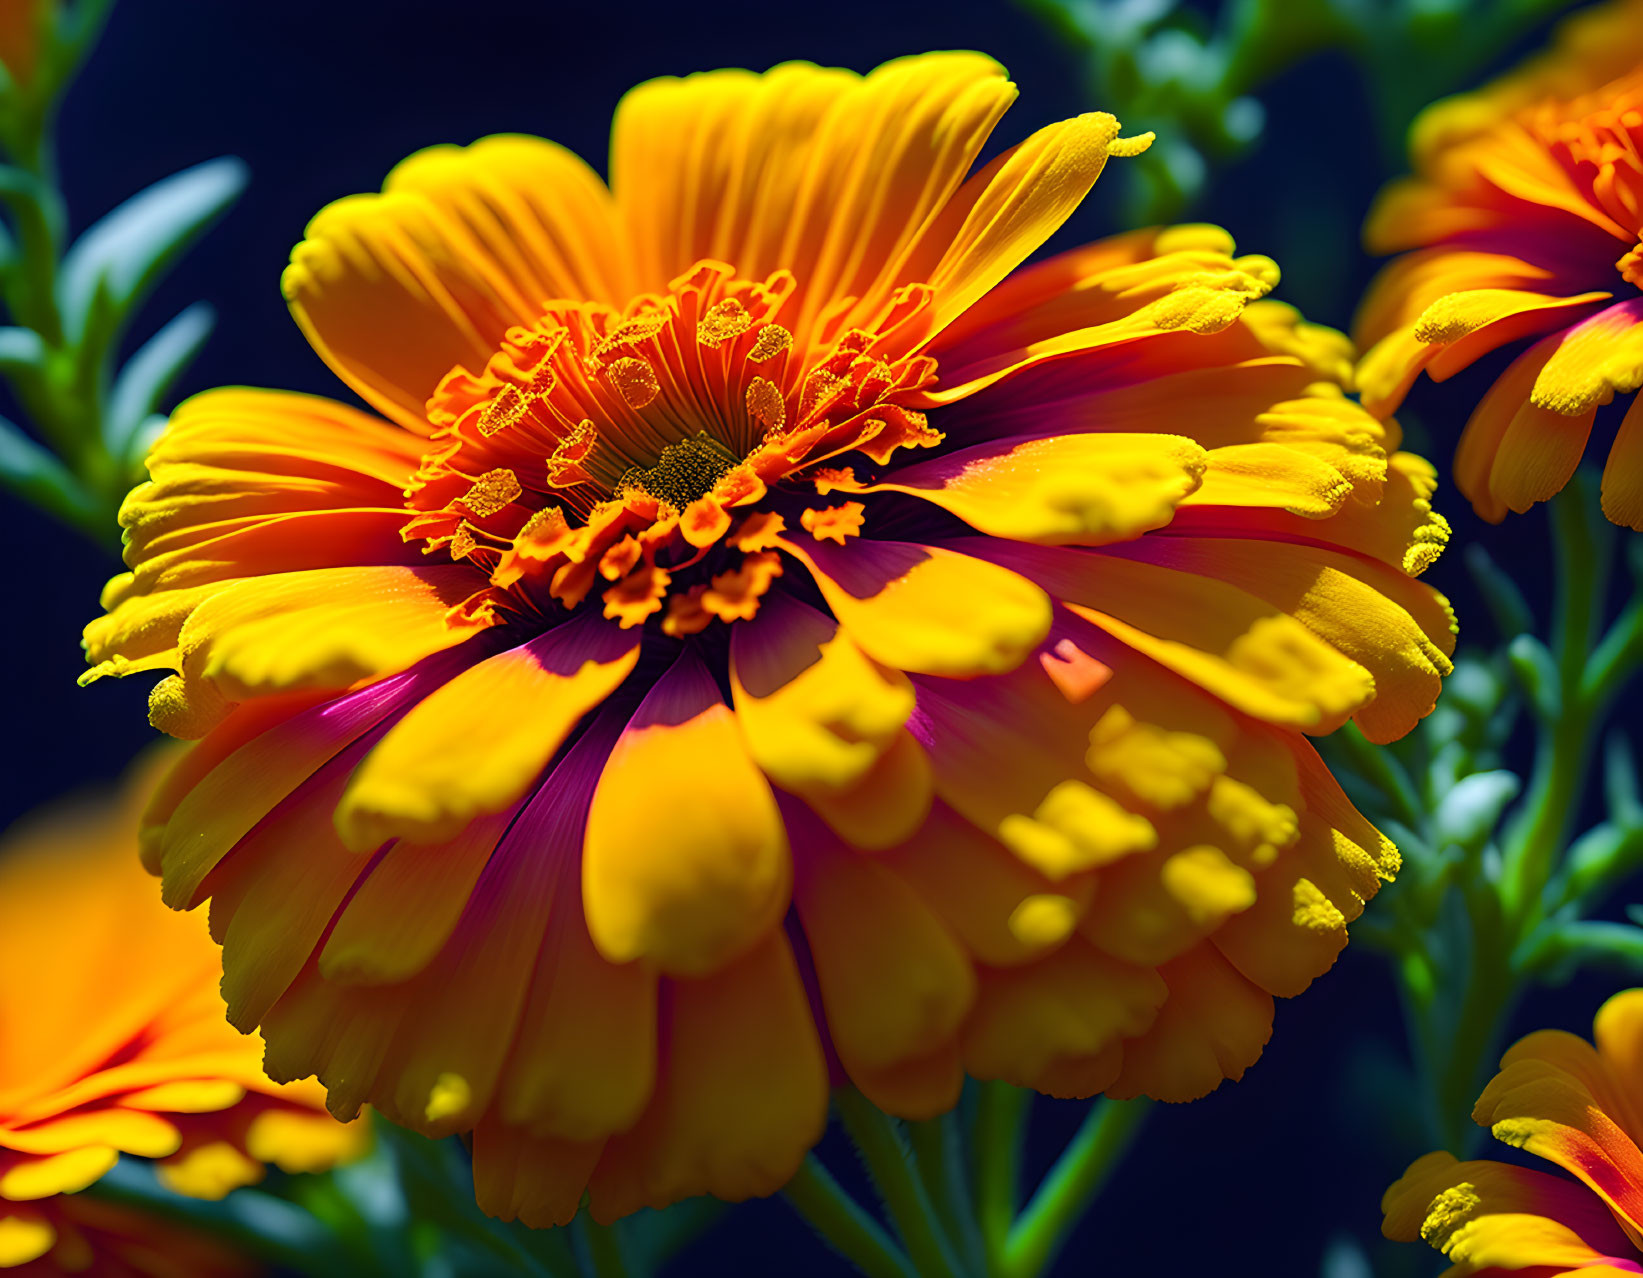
[905, 1197]
[998, 1133]
[842, 1223]
[1071, 1185]
[939, 1157]
[601, 1246]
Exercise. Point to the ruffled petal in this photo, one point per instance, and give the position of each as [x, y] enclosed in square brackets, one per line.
[686, 861]
[395, 290]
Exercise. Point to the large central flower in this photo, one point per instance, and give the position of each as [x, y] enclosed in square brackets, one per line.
[769, 645]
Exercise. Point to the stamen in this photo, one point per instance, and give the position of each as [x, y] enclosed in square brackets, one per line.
[638, 329]
[634, 379]
[565, 468]
[503, 411]
[1630, 267]
[773, 339]
[491, 492]
[464, 543]
[765, 404]
[724, 320]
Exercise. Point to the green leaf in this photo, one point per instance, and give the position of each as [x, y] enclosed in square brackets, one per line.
[1563, 948]
[1537, 672]
[1469, 812]
[21, 350]
[127, 251]
[149, 374]
[38, 477]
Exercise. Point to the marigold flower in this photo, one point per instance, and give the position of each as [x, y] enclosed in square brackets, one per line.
[115, 1044]
[768, 645]
[1525, 215]
[1570, 1102]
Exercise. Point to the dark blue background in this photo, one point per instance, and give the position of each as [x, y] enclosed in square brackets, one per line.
[322, 99]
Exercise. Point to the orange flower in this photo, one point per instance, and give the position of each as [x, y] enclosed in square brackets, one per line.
[1526, 217]
[768, 646]
[115, 1044]
[1562, 1099]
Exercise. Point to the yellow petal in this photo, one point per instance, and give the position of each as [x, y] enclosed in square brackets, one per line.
[1212, 1026]
[742, 1099]
[64, 1173]
[327, 628]
[888, 804]
[209, 1171]
[477, 743]
[396, 289]
[686, 859]
[925, 609]
[23, 1237]
[816, 712]
[1081, 490]
[1623, 472]
[1593, 361]
[894, 983]
[1256, 475]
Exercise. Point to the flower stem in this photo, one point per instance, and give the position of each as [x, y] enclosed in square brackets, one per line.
[999, 1129]
[1071, 1184]
[905, 1197]
[842, 1223]
[938, 1155]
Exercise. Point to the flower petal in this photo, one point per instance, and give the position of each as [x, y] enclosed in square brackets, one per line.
[743, 1096]
[686, 860]
[395, 290]
[925, 609]
[455, 757]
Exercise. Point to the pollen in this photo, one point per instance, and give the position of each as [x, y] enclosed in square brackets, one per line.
[724, 320]
[686, 471]
[773, 339]
[765, 404]
[503, 411]
[463, 543]
[491, 492]
[634, 380]
[641, 328]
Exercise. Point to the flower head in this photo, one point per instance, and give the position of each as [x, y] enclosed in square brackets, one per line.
[1525, 217]
[114, 1043]
[766, 645]
[1574, 1104]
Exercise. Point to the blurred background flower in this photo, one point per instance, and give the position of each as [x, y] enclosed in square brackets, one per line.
[115, 1044]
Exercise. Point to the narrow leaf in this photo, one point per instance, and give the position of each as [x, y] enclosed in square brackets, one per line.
[150, 373]
[38, 477]
[127, 251]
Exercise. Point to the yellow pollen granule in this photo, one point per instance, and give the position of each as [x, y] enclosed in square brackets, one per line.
[723, 321]
[634, 380]
[773, 339]
[464, 543]
[765, 404]
[503, 411]
[491, 491]
[630, 333]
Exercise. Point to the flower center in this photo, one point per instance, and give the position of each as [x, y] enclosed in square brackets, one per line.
[639, 446]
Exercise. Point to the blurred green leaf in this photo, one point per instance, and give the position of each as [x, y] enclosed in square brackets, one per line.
[1469, 812]
[33, 473]
[149, 374]
[127, 251]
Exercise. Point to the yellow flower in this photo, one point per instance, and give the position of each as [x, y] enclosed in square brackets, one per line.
[765, 645]
[115, 1043]
[1525, 215]
[1562, 1099]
